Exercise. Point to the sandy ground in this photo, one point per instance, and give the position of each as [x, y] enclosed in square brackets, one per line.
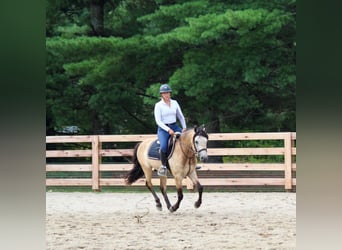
[131, 221]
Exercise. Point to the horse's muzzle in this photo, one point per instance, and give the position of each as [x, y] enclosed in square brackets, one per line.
[203, 158]
[203, 155]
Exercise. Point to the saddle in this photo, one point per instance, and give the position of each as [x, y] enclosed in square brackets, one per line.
[154, 150]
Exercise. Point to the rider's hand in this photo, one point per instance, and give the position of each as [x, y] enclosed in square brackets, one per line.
[183, 130]
[171, 132]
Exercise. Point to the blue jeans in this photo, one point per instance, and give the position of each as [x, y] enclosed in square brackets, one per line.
[164, 136]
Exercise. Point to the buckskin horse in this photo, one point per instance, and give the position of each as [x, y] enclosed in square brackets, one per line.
[189, 146]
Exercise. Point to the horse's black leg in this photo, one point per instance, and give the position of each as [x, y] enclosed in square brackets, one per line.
[200, 191]
[193, 177]
[156, 198]
[179, 194]
[180, 198]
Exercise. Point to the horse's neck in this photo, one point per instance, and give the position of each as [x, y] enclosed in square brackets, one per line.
[186, 140]
[188, 135]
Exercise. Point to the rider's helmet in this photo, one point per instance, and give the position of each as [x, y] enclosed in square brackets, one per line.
[165, 88]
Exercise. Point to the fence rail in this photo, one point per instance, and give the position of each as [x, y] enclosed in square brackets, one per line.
[91, 148]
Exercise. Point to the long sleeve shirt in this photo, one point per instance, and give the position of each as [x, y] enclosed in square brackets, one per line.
[164, 114]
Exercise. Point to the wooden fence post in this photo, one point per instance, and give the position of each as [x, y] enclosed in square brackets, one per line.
[95, 166]
[288, 161]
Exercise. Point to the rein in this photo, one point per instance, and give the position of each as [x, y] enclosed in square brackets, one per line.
[194, 152]
[192, 149]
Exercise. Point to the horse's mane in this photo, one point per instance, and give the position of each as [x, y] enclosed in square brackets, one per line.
[197, 131]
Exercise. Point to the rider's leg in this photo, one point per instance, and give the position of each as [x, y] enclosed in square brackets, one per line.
[163, 169]
[163, 137]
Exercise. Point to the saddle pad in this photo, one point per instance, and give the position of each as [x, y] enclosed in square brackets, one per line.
[153, 152]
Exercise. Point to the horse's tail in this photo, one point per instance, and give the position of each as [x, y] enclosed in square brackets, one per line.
[136, 172]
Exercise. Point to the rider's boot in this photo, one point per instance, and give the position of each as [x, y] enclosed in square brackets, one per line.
[163, 169]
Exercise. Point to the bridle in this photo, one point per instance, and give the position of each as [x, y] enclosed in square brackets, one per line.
[199, 133]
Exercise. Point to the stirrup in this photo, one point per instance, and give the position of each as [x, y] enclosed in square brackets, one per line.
[162, 171]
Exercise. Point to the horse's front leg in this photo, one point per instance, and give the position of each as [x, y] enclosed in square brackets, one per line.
[163, 181]
[193, 177]
[179, 194]
[200, 191]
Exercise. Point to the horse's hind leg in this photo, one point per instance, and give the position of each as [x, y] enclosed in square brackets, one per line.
[193, 177]
[156, 198]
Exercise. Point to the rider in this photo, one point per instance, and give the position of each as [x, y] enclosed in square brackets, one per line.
[166, 111]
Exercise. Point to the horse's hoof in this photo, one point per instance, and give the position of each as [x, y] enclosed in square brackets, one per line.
[159, 208]
[171, 209]
[197, 204]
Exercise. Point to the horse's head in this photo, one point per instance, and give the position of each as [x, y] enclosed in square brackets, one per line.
[200, 141]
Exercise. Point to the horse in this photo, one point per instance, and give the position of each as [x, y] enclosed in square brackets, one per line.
[189, 146]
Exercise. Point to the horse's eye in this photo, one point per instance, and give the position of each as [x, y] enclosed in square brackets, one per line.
[196, 142]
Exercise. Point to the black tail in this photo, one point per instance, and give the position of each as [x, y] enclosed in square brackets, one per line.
[136, 172]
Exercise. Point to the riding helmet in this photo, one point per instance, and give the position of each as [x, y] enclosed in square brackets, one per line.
[165, 88]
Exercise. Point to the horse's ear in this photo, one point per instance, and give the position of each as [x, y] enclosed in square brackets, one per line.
[195, 128]
[203, 127]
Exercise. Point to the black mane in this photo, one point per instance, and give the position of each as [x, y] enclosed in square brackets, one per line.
[201, 131]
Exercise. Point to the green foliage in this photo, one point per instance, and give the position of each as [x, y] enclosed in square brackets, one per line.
[167, 18]
[231, 64]
[122, 20]
[66, 18]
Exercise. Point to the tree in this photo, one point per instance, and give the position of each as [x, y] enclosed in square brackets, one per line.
[246, 55]
[97, 17]
[231, 64]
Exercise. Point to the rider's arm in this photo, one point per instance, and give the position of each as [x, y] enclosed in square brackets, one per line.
[180, 116]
